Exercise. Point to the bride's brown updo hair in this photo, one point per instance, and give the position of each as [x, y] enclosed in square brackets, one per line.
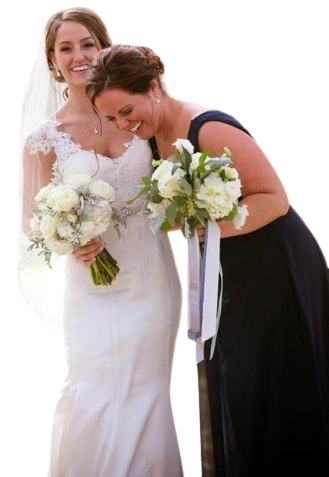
[126, 67]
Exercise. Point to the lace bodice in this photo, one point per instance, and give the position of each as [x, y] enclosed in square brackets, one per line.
[123, 172]
[129, 238]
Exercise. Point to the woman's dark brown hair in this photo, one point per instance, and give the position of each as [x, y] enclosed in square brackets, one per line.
[126, 67]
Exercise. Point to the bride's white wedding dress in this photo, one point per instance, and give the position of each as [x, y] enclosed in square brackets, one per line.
[114, 416]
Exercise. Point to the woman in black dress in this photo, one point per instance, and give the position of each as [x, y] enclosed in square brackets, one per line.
[265, 393]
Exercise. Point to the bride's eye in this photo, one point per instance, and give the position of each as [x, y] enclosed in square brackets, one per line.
[89, 44]
[65, 49]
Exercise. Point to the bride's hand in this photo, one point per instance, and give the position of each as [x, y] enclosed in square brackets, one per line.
[88, 253]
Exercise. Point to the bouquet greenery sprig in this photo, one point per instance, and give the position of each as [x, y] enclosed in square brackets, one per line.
[68, 214]
[190, 188]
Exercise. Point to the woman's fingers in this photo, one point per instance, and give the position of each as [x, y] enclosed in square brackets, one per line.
[200, 230]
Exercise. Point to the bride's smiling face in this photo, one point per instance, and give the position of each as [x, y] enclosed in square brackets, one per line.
[75, 48]
[136, 113]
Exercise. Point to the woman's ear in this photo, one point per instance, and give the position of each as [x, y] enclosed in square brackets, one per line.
[154, 86]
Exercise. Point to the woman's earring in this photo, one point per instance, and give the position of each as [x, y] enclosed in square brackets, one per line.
[157, 101]
[58, 74]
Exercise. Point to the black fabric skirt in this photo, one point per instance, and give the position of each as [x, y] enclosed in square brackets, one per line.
[268, 382]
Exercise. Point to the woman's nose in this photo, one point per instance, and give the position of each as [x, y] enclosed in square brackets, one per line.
[121, 123]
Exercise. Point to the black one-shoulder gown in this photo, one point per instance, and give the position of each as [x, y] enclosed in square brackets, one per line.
[268, 382]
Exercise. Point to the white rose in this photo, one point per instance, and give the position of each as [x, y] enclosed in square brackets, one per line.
[63, 198]
[183, 143]
[240, 217]
[102, 189]
[48, 226]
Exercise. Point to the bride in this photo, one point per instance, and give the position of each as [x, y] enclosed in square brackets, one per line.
[114, 415]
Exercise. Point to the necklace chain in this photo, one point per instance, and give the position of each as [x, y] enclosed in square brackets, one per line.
[164, 143]
[94, 127]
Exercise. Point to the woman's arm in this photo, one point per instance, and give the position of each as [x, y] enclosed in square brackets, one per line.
[262, 189]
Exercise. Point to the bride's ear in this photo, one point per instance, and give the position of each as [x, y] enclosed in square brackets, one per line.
[52, 61]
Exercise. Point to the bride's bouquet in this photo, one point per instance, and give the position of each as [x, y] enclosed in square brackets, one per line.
[69, 213]
[190, 188]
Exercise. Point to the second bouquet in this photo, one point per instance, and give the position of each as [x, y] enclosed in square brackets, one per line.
[188, 189]
[67, 214]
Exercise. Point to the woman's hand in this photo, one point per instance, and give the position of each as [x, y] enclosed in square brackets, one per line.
[200, 230]
[87, 253]
[175, 228]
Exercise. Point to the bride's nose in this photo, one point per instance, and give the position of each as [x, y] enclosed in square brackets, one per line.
[78, 54]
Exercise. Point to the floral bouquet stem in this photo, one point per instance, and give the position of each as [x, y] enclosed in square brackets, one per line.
[105, 269]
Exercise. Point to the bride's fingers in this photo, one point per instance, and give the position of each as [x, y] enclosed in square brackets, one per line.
[87, 253]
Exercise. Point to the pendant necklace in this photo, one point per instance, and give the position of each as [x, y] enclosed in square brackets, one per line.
[94, 127]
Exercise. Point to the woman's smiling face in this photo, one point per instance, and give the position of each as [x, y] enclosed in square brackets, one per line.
[133, 112]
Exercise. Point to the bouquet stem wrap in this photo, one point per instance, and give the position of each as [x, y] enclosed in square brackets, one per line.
[205, 288]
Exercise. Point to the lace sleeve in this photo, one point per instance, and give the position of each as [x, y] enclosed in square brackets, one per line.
[37, 170]
[41, 286]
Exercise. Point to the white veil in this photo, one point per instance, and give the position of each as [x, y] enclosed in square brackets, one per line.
[41, 286]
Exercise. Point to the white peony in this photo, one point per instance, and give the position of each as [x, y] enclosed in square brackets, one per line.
[61, 247]
[168, 183]
[214, 197]
[48, 226]
[63, 198]
[44, 192]
[158, 209]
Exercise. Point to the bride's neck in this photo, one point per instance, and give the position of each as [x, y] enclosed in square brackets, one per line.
[78, 101]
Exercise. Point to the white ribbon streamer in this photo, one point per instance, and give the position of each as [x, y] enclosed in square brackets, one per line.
[205, 289]
[194, 308]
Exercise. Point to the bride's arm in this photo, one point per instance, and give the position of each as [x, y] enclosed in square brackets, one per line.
[36, 173]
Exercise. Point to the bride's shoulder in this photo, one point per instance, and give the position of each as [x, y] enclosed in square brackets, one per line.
[44, 137]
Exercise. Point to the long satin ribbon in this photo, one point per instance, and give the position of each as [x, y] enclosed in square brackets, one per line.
[205, 289]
